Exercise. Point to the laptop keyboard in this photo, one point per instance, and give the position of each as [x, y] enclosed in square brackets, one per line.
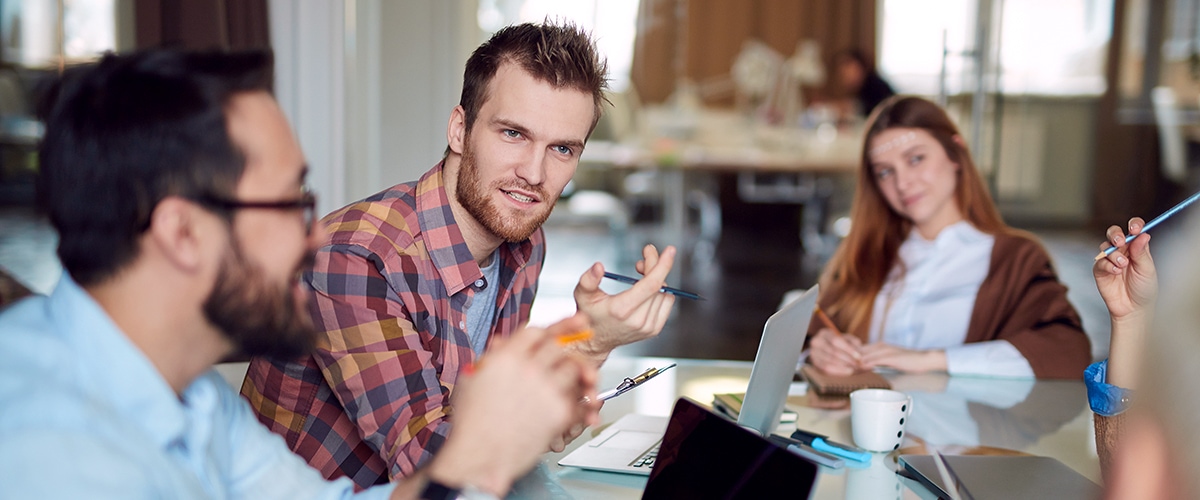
[647, 459]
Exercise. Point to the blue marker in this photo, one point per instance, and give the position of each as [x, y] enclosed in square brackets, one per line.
[822, 443]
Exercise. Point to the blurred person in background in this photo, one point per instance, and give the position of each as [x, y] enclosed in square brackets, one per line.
[929, 278]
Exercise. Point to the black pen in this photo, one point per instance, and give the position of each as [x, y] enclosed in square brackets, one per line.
[666, 289]
[806, 451]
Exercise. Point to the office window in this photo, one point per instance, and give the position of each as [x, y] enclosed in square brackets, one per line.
[613, 23]
[1049, 48]
[36, 34]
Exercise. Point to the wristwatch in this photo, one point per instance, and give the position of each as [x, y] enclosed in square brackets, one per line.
[437, 491]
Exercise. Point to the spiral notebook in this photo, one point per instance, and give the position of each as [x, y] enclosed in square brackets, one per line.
[838, 385]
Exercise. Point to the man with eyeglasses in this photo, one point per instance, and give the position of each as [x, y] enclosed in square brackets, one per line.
[177, 189]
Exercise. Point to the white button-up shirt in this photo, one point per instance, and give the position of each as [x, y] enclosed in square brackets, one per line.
[929, 305]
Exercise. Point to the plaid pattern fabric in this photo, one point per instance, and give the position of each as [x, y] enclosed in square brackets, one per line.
[391, 289]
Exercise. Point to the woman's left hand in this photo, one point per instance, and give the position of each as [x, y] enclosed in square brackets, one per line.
[884, 355]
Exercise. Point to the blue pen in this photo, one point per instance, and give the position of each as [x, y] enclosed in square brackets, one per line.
[666, 289]
[822, 443]
[1164, 216]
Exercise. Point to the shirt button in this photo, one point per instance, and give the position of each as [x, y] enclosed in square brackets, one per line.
[481, 283]
[462, 324]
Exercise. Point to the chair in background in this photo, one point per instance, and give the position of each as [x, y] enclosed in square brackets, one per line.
[1171, 141]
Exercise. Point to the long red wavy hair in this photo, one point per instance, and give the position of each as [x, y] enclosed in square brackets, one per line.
[861, 264]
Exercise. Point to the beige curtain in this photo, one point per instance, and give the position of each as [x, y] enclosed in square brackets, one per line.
[202, 24]
[698, 39]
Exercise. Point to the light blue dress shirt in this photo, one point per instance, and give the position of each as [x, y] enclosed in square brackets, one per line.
[84, 414]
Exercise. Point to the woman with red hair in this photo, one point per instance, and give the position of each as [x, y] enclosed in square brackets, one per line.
[929, 277]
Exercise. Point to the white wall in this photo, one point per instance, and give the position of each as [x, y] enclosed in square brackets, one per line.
[408, 76]
[369, 85]
[307, 38]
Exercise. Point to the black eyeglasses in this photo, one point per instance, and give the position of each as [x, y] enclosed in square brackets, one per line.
[306, 202]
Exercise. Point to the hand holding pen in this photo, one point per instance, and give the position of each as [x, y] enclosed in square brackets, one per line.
[1128, 283]
[1165, 215]
[629, 383]
[631, 315]
[832, 351]
[1127, 279]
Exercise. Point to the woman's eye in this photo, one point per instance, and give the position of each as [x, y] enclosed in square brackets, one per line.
[883, 173]
[915, 159]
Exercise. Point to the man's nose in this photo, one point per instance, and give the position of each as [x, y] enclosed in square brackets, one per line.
[532, 168]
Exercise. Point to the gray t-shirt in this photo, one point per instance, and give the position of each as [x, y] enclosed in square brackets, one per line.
[482, 309]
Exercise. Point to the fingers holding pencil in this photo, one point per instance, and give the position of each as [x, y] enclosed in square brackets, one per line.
[1126, 278]
[832, 351]
[1164, 216]
[1125, 248]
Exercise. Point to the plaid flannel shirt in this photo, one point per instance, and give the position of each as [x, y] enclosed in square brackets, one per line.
[391, 289]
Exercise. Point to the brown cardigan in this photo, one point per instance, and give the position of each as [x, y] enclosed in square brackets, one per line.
[1020, 301]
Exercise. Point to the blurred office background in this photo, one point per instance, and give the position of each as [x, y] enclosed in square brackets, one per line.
[723, 139]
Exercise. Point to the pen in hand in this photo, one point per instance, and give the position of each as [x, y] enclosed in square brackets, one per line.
[573, 337]
[666, 289]
[631, 382]
[1150, 225]
[563, 340]
[826, 321]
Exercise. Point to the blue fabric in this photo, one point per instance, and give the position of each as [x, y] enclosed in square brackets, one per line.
[482, 310]
[84, 414]
[1106, 399]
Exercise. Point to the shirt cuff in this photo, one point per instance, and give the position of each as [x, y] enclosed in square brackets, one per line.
[993, 358]
[1105, 399]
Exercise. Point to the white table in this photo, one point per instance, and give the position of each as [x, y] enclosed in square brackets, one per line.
[1049, 418]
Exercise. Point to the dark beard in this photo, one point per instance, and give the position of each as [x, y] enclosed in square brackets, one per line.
[260, 318]
[473, 196]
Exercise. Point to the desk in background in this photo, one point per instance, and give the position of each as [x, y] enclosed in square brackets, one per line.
[772, 164]
[1049, 418]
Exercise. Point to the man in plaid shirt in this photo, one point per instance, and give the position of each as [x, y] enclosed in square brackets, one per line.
[414, 282]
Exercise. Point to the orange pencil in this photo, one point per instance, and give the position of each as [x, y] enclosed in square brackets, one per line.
[563, 340]
[828, 322]
[571, 338]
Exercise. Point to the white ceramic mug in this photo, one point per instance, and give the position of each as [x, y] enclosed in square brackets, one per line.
[877, 418]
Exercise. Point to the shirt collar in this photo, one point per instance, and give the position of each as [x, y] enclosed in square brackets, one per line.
[113, 369]
[444, 240]
[959, 233]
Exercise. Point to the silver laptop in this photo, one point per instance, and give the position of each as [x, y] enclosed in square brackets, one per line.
[780, 347]
[630, 445]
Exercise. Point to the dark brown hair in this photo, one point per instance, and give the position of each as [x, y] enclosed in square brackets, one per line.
[562, 55]
[128, 131]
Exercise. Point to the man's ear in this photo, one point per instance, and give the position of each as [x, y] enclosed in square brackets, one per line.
[456, 129]
[176, 232]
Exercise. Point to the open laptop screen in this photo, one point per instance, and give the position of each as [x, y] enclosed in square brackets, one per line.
[705, 455]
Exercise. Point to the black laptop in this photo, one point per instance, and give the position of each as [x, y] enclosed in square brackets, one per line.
[705, 455]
